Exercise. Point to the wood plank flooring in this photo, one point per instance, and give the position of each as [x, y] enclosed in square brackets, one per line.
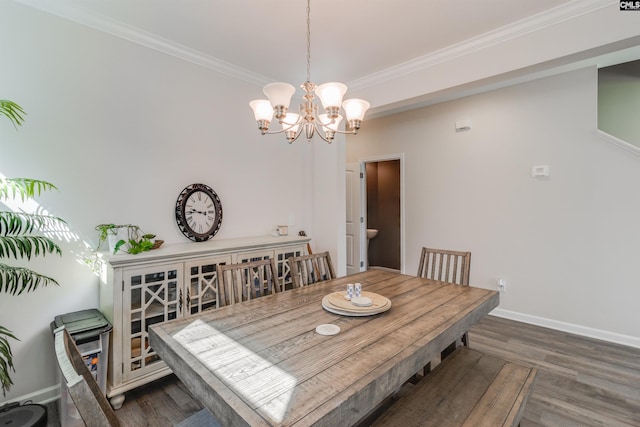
[581, 381]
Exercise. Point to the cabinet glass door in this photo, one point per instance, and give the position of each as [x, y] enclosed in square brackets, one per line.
[151, 295]
[201, 281]
[284, 271]
[254, 256]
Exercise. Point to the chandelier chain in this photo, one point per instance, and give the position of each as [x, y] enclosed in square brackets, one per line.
[308, 40]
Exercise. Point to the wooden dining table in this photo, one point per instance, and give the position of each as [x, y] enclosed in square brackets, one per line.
[262, 363]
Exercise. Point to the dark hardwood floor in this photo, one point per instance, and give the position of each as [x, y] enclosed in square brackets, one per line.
[162, 403]
[581, 381]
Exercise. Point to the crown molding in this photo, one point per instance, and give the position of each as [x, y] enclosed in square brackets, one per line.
[506, 33]
[500, 35]
[144, 38]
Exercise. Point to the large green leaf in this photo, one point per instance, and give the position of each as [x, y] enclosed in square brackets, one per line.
[12, 111]
[24, 223]
[27, 246]
[6, 359]
[16, 280]
[25, 188]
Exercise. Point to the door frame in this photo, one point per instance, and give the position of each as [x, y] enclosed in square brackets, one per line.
[363, 202]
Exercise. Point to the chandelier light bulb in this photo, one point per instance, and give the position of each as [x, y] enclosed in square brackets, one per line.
[290, 125]
[355, 108]
[279, 95]
[262, 109]
[331, 94]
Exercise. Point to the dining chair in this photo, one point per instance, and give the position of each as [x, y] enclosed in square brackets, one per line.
[447, 266]
[247, 280]
[309, 269]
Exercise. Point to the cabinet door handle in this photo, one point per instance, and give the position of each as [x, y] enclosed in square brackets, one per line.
[180, 301]
[188, 299]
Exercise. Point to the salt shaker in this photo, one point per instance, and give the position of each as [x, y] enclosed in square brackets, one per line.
[350, 291]
[358, 289]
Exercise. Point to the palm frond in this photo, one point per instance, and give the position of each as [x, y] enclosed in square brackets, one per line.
[23, 223]
[12, 111]
[25, 188]
[16, 280]
[6, 359]
[27, 246]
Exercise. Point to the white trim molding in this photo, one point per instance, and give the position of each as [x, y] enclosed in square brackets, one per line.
[500, 35]
[145, 38]
[537, 22]
[42, 397]
[618, 142]
[568, 327]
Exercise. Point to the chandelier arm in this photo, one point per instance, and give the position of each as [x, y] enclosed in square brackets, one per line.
[295, 138]
[319, 133]
[275, 132]
[346, 132]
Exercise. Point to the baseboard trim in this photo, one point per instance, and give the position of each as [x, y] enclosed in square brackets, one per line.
[568, 327]
[42, 396]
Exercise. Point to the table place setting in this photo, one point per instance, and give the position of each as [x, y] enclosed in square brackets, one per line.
[355, 302]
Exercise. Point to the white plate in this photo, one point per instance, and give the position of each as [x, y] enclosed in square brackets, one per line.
[327, 329]
[358, 311]
[361, 301]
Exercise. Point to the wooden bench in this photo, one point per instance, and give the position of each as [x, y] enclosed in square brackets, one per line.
[468, 388]
[82, 401]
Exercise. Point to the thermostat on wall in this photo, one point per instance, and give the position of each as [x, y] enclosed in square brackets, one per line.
[540, 171]
[463, 125]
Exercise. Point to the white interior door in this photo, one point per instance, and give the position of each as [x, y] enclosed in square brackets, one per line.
[355, 254]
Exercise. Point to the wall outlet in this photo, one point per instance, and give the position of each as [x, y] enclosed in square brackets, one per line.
[502, 285]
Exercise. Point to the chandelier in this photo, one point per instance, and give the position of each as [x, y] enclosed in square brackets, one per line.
[308, 120]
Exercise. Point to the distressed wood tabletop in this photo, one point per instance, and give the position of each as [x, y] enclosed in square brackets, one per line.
[261, 363]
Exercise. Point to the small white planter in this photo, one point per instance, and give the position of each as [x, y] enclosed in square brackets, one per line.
[113, 239]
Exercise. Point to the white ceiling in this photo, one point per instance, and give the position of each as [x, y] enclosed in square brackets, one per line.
[351, 40]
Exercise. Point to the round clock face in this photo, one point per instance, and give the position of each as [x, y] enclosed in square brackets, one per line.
[199, 212]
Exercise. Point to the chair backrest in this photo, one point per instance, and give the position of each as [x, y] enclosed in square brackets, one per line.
[93, 408]
[309, 269]
[247, 280]
[445, 265]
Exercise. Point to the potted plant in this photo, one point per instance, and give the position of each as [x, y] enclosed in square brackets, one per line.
[127, 237]
[19, 239]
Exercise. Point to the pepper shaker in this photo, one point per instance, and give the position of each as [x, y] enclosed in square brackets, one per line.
[350, 291]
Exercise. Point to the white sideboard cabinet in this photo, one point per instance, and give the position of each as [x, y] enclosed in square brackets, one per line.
[170, 282]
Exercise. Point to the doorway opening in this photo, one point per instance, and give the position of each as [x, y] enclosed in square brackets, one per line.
[383, 214]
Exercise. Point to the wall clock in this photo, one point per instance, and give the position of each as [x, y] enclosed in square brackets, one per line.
[198, 212]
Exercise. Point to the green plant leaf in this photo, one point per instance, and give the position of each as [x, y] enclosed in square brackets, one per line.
[23, 223]
[24, 188]
[12, 111]
[6, 359]
[16, 280]
[118, 245]
[17, 241]
[27, 246]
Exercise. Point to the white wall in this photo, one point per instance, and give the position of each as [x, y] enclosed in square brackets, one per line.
[121, 130]
[567, 245]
